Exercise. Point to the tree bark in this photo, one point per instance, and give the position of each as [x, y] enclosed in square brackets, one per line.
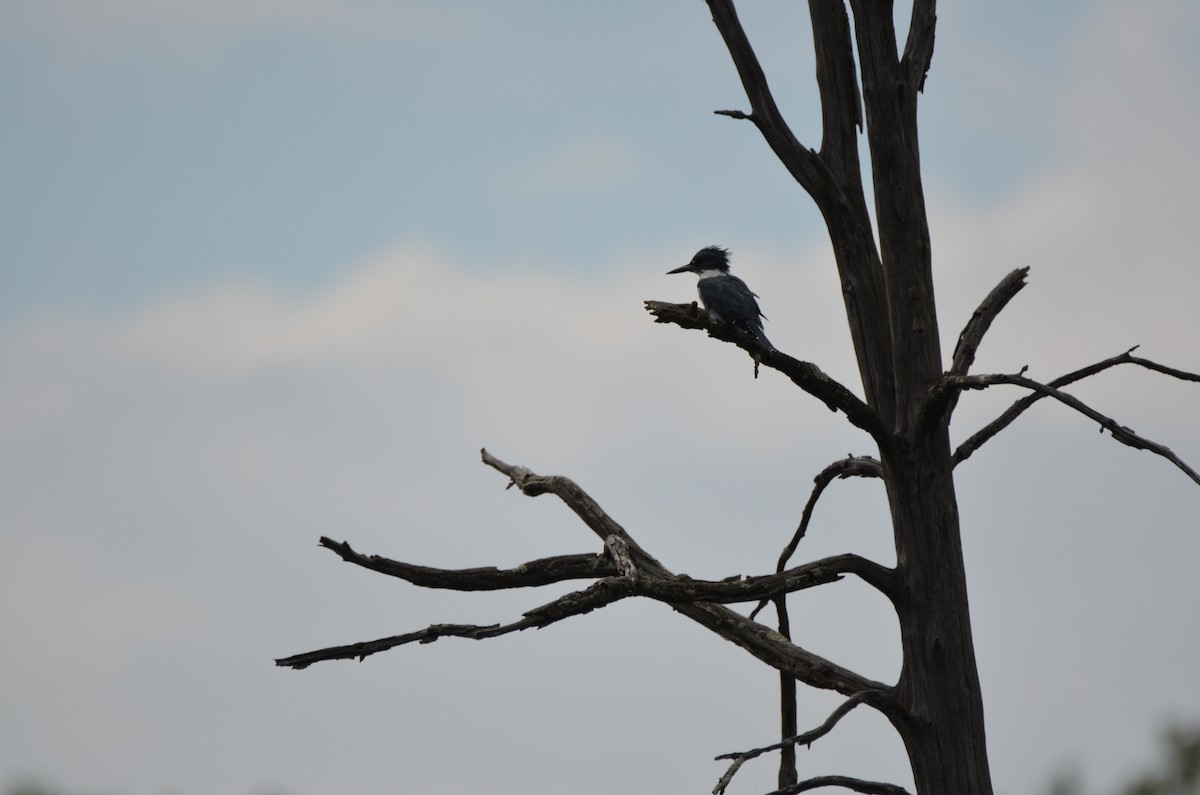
[941, 706]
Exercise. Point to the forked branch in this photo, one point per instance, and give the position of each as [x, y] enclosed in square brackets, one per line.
[617, 563]
[764, 643]
[1118, 432]
[626, 570]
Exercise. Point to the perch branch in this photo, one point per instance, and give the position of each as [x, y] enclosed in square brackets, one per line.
[742, 757]
[1118, 432]
[805, 375]
[980, 437]
[833, 178]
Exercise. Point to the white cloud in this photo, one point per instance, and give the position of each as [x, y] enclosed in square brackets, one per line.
[578, 164]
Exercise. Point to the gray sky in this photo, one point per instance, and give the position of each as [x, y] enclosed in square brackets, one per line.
[278, 270]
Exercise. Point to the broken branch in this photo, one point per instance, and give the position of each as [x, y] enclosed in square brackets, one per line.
[543, 571]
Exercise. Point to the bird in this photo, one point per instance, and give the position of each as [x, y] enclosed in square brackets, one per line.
[725, 296]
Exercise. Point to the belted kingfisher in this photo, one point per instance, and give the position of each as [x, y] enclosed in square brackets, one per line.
[725, 296]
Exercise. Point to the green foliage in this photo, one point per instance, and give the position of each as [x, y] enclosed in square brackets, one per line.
[1178, 772]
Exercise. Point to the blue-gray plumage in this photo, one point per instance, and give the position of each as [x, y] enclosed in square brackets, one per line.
[725, 296]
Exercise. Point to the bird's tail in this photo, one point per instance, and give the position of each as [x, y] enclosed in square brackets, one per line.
[757, 331]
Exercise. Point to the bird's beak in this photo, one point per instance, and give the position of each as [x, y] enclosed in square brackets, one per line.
[681, 269]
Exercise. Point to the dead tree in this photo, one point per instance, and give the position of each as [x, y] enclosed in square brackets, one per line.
[864, 76]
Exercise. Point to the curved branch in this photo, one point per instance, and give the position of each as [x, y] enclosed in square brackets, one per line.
[741, 757]
[980, 437]
[856, 784]
[879, 577]
[981, 319]
[805, 375]
[1119, 432]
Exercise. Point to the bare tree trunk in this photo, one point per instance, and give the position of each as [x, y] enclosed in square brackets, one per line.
[893, 322]
[941, 708]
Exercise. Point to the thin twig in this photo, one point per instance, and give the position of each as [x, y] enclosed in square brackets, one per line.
[543, 571]
[741, 757]
[576, 603]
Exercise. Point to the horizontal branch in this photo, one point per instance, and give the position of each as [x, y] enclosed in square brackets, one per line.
[598, 594]
[980, 437]
[807, 738]
[543, 571]
[805, 375]
[676, 590]
[1118, 432]
[673, 588]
